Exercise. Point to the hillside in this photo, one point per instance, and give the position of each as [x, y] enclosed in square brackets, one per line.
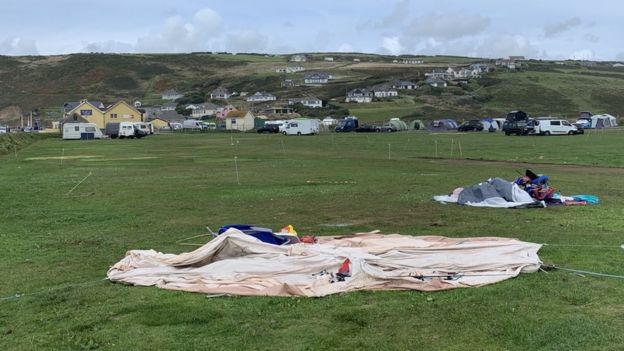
[43, 83]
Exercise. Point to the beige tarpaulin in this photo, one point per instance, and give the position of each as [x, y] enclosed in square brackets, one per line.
[236, 263]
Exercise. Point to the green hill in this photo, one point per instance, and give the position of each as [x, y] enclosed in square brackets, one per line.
[43, 83]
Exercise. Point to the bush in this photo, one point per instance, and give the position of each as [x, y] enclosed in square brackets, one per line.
[122, 83]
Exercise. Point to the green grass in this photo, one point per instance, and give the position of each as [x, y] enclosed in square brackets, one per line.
[152, 192]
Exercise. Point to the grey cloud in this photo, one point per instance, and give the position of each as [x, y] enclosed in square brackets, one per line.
[592, 38]
[246, 41]
[17, 46]
[400, 13]
[444, 27]
[553, 29]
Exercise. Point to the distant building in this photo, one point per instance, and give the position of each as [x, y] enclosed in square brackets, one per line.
[356, 60]
[220, 93]
[328, 59]
[288, 83]
[382, 91]
[171, 94]
[312, 102]
[170, 106]
[290, 69]
[316, 78]
[411, 61]
[436, 82]
[261, 96]
[298, 58]
[516, 58]
[202, 110]
[239, 120]
[118, 112]
[438, 74]
[359, 95]
[403, 85]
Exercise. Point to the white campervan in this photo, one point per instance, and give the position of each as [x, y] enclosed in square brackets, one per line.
[77, 131]
[556, 126]
[145, 127]
[302, 126]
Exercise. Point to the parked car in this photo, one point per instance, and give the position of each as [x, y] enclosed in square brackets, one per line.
[516, 123]
[387, 127]
[366, 128]
[269, 128]
[472, 125]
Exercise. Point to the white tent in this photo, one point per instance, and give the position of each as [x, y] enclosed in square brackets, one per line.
[239, 264]
[603, 121]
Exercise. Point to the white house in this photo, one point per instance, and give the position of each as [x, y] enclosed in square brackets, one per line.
[384, 91]
[328, 59]
[298, 58]
[220, 93]
[290, 69]
[261, 96]
[316, 78]
[356, 60]
[403, 85]
[438, 73]
[242, 123]
[360, 96]
[171, 94]
[312, 102]
[411, 62]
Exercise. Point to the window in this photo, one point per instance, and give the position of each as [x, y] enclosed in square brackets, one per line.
[86, 112]
[76, 129]
[89, 129]
[113, 115]
[565, 123]
[233, 121]
[555, 123]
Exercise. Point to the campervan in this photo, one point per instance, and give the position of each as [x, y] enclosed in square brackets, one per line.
[81, 131]
[193, 124]
[4, 130]
[555, 126]
[302, 126]
[121, 130]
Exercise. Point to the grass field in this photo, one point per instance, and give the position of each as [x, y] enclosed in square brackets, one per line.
[150, 193]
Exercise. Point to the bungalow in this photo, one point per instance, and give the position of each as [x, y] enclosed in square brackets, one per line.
[158, 122]
[436, 82]
[171, 94]
[381, 91]
[312, 102]
[316, 78]
[481, 67]
[119, 112]
[220, 93]
[411, 62]
[508, 63]
[403, 85]
[359, 95]
[261, 96]
[328, 59]
[298, 58]
[239, 120]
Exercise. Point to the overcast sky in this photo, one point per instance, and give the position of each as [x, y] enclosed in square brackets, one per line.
[553, 29]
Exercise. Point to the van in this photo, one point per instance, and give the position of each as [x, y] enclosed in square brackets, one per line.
[193, 124]
[81, 131]
[121, 130]
[556, 126]
[5, 130]
[302, 126]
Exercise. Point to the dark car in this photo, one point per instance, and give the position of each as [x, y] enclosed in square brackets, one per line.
[366, 128]
[472, 125]
[387, 127]
[269, 128]
[516, 123]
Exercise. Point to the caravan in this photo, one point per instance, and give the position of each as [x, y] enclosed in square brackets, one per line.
[302, 126]
[81, 131]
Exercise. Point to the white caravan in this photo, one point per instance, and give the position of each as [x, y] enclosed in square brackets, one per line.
[85, 131]
[145, 127]
[302, 126]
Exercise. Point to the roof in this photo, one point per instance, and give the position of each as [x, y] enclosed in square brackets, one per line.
[359, 92]
[220, 90]
[171, 92]
[435, 80]
[170, 104]
[382, 87]
[68, 106]
[317, 75]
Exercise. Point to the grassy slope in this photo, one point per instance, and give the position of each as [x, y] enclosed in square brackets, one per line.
[152, 192]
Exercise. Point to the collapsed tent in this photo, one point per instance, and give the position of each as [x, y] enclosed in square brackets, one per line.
[239, 264]
[495, 192]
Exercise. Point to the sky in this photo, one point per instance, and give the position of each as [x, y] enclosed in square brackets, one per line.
[551, 30]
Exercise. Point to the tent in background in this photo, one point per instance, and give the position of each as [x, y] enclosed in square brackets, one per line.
[443, 125]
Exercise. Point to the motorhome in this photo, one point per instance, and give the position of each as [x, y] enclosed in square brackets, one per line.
[145, 127]
[302, 126]
[81, 131]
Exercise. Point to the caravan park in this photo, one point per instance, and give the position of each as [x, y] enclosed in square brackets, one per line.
[311, 176]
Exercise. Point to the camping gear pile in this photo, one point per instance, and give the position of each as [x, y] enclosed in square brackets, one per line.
[528, 191]
[238, 262]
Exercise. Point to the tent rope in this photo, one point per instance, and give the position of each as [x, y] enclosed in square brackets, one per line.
[581, 272]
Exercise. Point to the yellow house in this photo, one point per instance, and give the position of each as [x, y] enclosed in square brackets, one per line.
[159, 123]
[119, 112]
